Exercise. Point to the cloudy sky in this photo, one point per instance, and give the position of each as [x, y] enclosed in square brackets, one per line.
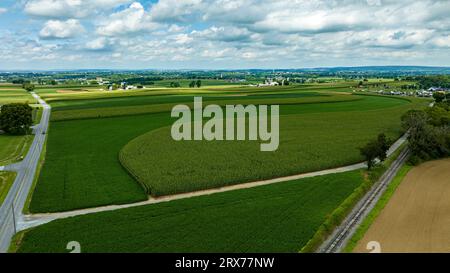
[173, 34]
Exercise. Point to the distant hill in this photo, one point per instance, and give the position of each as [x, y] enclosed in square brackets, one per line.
[438, 69]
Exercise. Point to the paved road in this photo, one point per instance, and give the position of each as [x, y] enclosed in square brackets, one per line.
[338, 240]
[29, 221]
[11, 209]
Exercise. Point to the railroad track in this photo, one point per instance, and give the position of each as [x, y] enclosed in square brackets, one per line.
[344, 232]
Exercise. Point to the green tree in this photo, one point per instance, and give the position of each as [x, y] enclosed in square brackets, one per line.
[429, 133]
[192, 84]
[370, 153]
[384, 144]
[438, 116]
[439, 96]
[411, 119]
[376, 149]
[199, 83]
[16, 118]
[28, 86]
[447, 97]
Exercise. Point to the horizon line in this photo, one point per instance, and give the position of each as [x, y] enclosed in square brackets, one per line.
[219, 69]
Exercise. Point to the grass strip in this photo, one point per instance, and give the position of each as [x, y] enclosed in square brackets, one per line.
[338, 215]
[6, 181]
[365, 225]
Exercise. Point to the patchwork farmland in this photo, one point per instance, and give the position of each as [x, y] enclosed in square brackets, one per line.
[86, 157]
[237, 128]
[115, 149]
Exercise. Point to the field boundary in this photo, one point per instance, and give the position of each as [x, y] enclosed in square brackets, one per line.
[342, 233]
[379, 206]
[9, 178]
[337, 217]
[26, 207]
[111, 112]
[21, 150]
[146, 188]
[33, 220]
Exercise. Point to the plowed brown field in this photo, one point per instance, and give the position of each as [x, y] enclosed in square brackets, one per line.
[417, 218]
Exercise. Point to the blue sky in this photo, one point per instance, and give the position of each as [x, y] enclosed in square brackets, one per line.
[222, 34]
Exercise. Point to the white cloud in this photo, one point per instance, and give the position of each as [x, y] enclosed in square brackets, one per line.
[182, 39]
[116, 55]
[238, 12]
[176, 10]
[134, 19]
[3, 10]
[176, 28]
[218, 54]
[245, 33]
[395, 39]
[226, 34]
[61, 29]
[374, 2]
[443, 41]
[69, 8]
[312, 21]
[101, 43]
[19, 49]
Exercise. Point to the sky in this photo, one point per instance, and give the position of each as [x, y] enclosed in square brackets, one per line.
[222, 34]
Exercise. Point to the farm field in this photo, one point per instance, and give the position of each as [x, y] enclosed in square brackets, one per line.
[6, 181]
[82, 168]
[185, 83]
[308, 142]
[52, 95]
[160, 99]
[416, 218]
[13, 147]
[188, 100]
[84, 154]
[274, 218]
[224, 126]
[15, 95]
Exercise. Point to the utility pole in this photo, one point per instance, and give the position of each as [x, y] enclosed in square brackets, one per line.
[14, 218]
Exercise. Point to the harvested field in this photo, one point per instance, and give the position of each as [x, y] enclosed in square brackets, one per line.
[417, 218]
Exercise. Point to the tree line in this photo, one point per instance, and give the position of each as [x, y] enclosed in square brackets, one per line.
[429, 134]
[426, 82]
[429, 129]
